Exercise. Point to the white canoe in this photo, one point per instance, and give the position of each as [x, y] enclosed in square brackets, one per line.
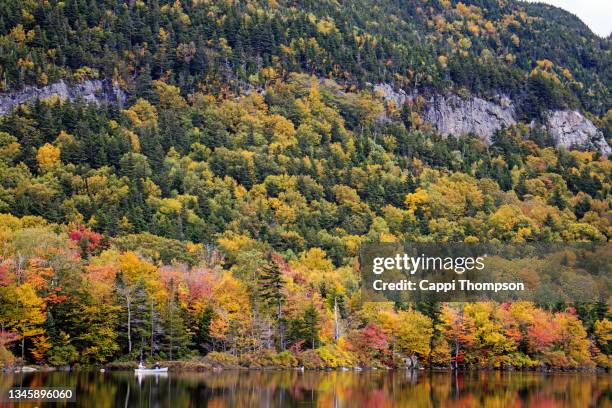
[151, 370]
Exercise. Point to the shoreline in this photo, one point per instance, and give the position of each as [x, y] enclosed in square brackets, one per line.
[187, 366]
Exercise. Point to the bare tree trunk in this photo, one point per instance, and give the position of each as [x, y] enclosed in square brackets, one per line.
[456, 353]
[127, 396]
[19, 266]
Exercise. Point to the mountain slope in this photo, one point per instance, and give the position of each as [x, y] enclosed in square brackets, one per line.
[541, 56]
[215, 198]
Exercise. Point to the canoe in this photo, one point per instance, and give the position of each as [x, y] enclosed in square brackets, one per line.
[151, 370]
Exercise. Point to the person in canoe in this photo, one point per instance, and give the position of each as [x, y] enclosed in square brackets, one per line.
[157, 366]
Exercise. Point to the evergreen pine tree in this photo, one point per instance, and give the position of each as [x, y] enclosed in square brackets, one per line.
[270, 288]
[557, 199]
[203, 339]
[176, 337]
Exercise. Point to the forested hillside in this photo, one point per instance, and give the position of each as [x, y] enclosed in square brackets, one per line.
[221, 211]
[538, 54]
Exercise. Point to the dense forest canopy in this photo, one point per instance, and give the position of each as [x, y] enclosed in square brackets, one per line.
[221, 211]
[538, 54]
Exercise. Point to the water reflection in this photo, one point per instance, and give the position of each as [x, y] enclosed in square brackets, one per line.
[323, 389]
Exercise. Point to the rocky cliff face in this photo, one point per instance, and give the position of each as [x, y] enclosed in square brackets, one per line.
[452, 115]
[386, 91]
[97, 91]
[571, 129]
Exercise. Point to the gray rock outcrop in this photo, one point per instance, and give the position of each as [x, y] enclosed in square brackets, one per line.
[387, 92]
[452, 115]
[570, 128]
[95, 90]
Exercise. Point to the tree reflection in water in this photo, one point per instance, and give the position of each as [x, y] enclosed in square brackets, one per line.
[323, 389]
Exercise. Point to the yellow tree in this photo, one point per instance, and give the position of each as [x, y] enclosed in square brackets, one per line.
[140, 287]
[603, 337]
[28, 314]
[410, 330]
[142, 114]
[413, 334]
[490, 343]
[415, 200]
[231, 311]
[47, 157]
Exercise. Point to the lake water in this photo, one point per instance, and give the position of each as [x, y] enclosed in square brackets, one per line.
[375, 389]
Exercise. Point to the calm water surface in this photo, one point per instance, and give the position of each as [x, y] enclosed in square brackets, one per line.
[376, 389]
